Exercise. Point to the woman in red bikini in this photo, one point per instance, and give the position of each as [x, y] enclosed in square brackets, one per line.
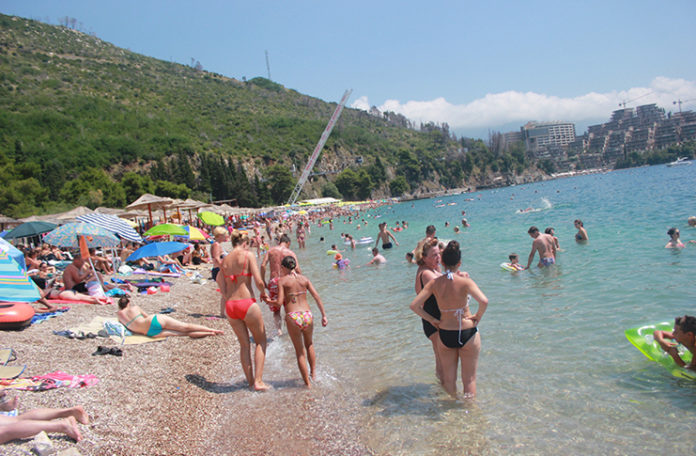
[244, 315]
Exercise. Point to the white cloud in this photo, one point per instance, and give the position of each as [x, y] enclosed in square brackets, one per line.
[509, 107]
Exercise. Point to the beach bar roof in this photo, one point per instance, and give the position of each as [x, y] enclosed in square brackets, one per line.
[150, 202]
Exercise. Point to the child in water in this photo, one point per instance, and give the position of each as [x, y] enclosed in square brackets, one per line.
[515, 262]
[292, 293]
[341, 263]
[685, 334]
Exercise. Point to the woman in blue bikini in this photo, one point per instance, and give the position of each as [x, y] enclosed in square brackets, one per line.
[138, 322]
[457, 326]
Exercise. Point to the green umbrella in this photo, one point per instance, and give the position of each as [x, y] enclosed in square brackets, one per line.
[30, 229]
[211, 218]
[166, 229]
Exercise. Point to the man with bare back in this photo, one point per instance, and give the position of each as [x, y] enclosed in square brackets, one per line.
[545, 245]
[272, 260]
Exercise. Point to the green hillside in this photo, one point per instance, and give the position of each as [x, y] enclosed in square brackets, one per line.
[85, 122]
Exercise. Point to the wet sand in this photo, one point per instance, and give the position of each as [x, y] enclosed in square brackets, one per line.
[180, 396]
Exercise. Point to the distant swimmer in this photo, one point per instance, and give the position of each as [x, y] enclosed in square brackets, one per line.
[385, 236]
[692, 220]
[685, 334]
[543, 243]
[581, 235]
[674, 241]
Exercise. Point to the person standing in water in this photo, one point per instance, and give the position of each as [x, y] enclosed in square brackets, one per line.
[458, 339]
[292, 293]
[428, 260]
[543, 243]
[238, 269]
[674, 241]
[581, 235]
[385, 236]
[272, 261]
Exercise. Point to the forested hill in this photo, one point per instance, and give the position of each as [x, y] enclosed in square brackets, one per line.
[85, 122]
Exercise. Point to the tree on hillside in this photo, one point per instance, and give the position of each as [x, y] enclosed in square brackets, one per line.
[398, 186]
[280, 182]
[346, 182]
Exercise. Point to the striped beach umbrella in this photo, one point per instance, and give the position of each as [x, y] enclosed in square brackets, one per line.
[67, 236]
[15, 284]
[112, 223]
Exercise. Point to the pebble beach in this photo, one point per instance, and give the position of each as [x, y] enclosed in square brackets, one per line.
[177, 396]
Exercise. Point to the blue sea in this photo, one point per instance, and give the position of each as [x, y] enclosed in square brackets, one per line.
[556, 373]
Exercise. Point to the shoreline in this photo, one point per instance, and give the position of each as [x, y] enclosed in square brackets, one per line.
[179, 395]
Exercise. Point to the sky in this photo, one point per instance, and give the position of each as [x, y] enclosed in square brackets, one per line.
[479, 66]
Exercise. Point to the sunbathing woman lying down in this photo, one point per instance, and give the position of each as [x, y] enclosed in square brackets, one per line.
[138, 322]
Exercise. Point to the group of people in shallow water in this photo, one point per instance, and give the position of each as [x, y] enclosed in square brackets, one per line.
[442, 302]
[287, 288]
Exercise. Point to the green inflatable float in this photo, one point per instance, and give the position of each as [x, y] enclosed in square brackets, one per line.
[642, 338]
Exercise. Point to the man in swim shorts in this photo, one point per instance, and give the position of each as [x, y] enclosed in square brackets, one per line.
[385, 236]
[75, 277]
[544, 244]
[272, 260]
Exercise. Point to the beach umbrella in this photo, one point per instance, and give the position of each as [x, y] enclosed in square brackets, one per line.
[15, 284]
[67, 236]
[211, 218]
[156, 249]
[112, 223]
[4, 220]
[195, 234]
[166, 228]
[150, 202]
[14, 252]
[30, 229]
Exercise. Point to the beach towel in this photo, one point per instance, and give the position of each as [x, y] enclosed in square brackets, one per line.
[39, 317]
[68, 301]
[141, 271]
[113, 329]
[50, 381]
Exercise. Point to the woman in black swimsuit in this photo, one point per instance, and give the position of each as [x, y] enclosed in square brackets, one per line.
[457, 326]
[428, 259]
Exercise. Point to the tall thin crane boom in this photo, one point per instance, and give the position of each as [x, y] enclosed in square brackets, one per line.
[317, 150]
[268, 67]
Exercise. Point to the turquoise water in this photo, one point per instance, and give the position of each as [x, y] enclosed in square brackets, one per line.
[556, 373]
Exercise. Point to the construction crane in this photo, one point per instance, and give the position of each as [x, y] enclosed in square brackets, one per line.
[680, 102]
[623, 103]
[317, 150]
[268, 67]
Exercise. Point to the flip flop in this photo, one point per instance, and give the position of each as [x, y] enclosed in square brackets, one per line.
[9, 372]
[7, 355]
[101, 350]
